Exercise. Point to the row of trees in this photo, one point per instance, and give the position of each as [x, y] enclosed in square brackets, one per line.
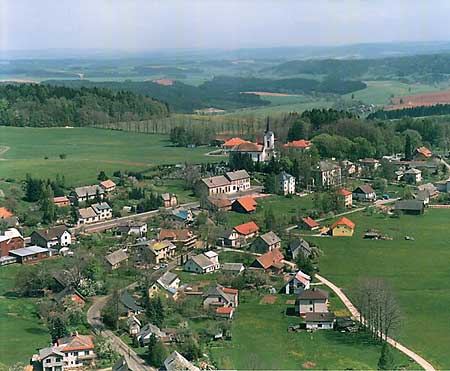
[192, 135]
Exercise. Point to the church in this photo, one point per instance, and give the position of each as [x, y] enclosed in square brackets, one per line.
[258, 152]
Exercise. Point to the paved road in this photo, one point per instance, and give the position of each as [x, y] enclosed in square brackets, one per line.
[418, 359]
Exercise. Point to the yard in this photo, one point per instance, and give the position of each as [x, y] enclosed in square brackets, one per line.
[418, 270]
[87, 151]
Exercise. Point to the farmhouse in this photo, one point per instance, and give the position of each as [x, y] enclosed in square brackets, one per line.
[285, 184]
[412, 176]
[297, 145]
[11, 239]
[108, 186]
[116, 259]
[169, 282]
[346, 197]
[364, 193]
[342, 227]
[88, 193]
[327, 174]
[58, 236]
[413, 207]
[320, 321]
[244, 205]
[61, 201]
[270, 260]
[312, 301]
[422, 154]
[203, 263]
[30, 254]
[297, 284]
[169, 199]
[266, 242]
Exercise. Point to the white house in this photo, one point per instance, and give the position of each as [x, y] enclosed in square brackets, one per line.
[103, 210]
[412, 176]
[320, 321]
[203, 263]
[58, 236]
[312, 301]
[297, 284]
[285, 184]
[364, 193]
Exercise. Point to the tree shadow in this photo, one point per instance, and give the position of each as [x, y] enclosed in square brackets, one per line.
[361, 337]
[290, 312]
[36, 331]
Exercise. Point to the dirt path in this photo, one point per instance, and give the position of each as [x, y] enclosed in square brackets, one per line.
[418, 359]
[3, 150]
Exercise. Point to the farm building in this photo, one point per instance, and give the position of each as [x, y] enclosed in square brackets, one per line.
[297, 284]
[270, 260]
[116, 259]
[233, 268]
[422, 153]
[320, 321]
[309, 223]
[10, 239]
[412, 207]
[108, 186]
[30, 254]
[169, 199]
[61, 201]
[342, 228]
[59, 236]
[244, 205]
[412, 176]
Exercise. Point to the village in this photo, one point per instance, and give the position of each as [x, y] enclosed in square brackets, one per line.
[187, 266]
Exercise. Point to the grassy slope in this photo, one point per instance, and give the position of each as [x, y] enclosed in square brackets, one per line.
[88, 151]
[418, 271]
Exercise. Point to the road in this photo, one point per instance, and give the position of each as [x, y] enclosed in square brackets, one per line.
[355, 314]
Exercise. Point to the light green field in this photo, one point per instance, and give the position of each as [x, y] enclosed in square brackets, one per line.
[418, 270]
[88, 151]
[380, 92]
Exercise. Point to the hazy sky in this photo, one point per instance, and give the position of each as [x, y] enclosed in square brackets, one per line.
[155, 24]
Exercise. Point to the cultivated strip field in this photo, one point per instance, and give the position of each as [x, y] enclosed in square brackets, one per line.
[427, 99]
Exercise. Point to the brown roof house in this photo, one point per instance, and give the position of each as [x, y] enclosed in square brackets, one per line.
[312, 301]
[116, 259]
[266, 242]
[270, 260]
[364, 193]
[203, 263]
[58, 236]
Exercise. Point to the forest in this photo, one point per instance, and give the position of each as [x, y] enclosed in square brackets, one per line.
[49, 106]
[420, 111]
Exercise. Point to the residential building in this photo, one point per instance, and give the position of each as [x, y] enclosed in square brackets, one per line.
[240, 235]
[160, 251]
[320, 321]
[30, 254]
[342, 228]
[364, 193]
[182, 215]
[231, 182]
[203, 263]
[298, 145]
[219, 204]
[245, 204]
[218, 298]
[299, 247]
[412, 176]
[69, 294]
[10, 239]
[143, 336]
[309, 223]
[297, 284]
[346, 196]
[247, 230]
[412, 207]
[312, 301]
[369, 165]
[49, 359]
[169, 199]
[271, 260]
[87, 215]
[422, 154]
[58, 236]
[132, 228]
[88, 193]
[108, 186]
[349, 169]
[431, 189]
[327, 174]
[168, 283]
[116, 259]
[285, 184]
[182, 238]
[176, 362]
[134, 325]
[233, 268]
[61, 201]
[103, 210]
[266, 242]
[239, 179]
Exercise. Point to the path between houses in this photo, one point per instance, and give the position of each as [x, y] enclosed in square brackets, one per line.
[354, 312]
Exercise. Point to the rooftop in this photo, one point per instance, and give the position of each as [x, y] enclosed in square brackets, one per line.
[270, 258]
[343, 221]
[9, 233]
[237, 175]
[313, 293]
[216, 181]
[234, 142]
[247, 228]
[247, 203]
[30, 250]
[270, 238]
[116, 257]
[52, 233]
[108, 183]
[302, 143]
[320, 317]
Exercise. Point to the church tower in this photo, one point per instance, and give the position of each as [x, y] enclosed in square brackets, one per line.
[269, 137]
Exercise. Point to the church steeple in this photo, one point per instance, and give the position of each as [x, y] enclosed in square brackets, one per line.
[267, 124]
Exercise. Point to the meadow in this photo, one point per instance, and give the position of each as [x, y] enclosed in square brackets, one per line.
[87, 151]
[418, 270]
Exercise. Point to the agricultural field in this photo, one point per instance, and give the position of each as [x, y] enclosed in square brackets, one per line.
[87, 151]
[426, 99]
[418, 271]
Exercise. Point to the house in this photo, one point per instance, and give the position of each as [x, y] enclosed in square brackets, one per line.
[219, 296]
[132, 228]
[134, 325]
[61, 201]
[349, 169]
[169, 199]
[422, 154]
[285, 184]
[87, 215]
[244, 205]
[108, 186]
[5, 213]
[69, 294]
[312, 301]
[176, 362]
[58, 236]
[69, 353]
[412, 176]
[143, 336]
[219, 204]
[182, 215]
[342, 228]
[270, 260]
[224, 312]
[247, 230]
[231, 143]
[182, 238]
[116, 259]
[309, 223]
[297, 284]
[231, 182]
[369, 165]
[159, 251]
[10, 239]
[320, 321]
[203, 263]
[346, 197]
[364, 193]
[169, 282]
[233, 268]
[86, 193]
[239, 179]
[130, 305]
[30, 254]
[298, 246]
[239, 235]
[103, 210]
[430, 189]
[327, 174]
[298, 145]
[412, 207]
[267, 242]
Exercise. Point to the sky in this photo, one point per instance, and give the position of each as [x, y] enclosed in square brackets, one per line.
[140, 25]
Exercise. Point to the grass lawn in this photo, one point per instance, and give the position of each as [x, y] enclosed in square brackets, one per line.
[261, 341]
[418, 271]
[88, 151]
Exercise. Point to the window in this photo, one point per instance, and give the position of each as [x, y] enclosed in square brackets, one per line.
[319, 325]
[48, 360]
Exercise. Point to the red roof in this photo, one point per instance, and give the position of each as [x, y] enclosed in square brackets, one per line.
[175, 234]
[247, 228]
[344, 192]
[230, 291]
[311, 223]
[60, 199]
[249, 147]
[424, 151]
[344, 221]
[302, 143]
[234, 142]
[5, 213]
[224, 310]
[247, 203]
[270, 258]
[108, 183]
[77, 342]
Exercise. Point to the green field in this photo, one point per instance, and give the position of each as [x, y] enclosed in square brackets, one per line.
[261, 341]
[418, 270]
[88, 151]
